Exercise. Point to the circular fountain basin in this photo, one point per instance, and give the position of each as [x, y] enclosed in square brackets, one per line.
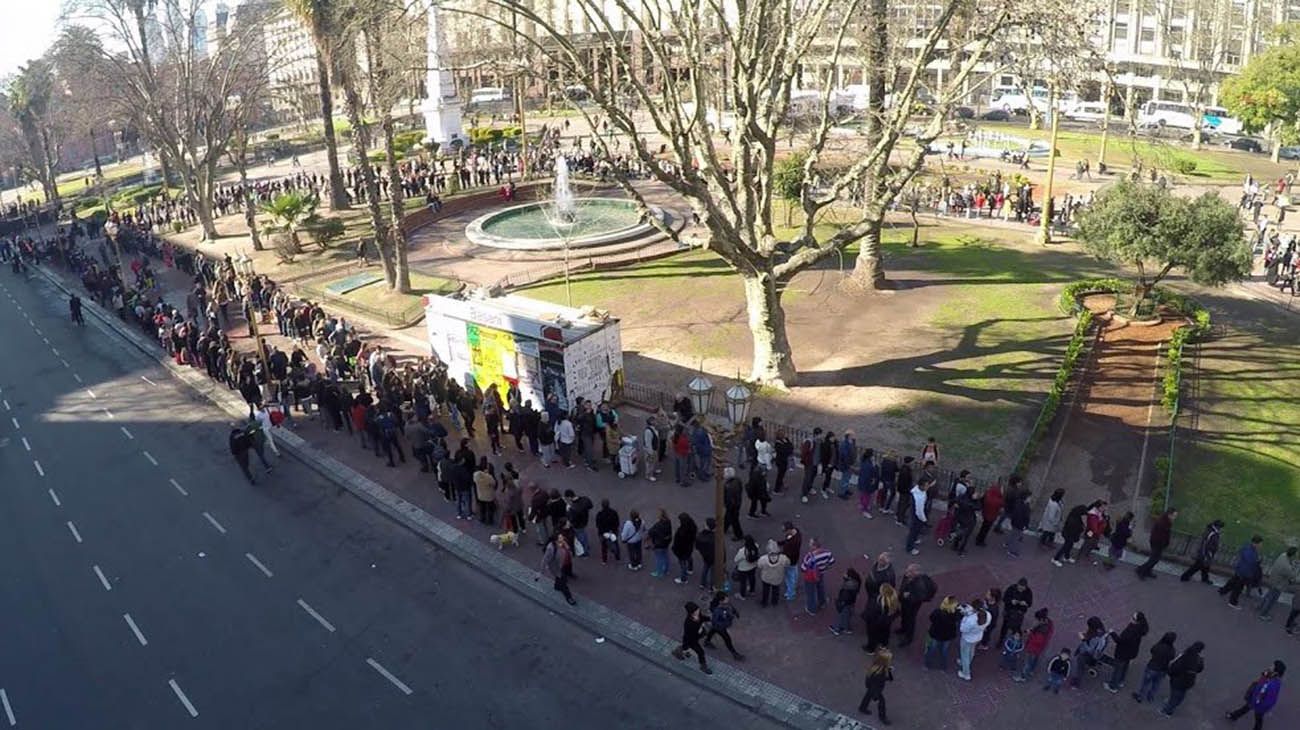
[529, 227]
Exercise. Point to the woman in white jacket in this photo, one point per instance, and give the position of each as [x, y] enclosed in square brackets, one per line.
[973, 623]
[1050, 524]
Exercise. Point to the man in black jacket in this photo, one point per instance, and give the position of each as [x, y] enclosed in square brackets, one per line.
[607, 523]
[732, 494]
[881, 573]
[1071, 531]
[704, 543]
[916, 589]
[1206, 549]
[240, 443]
[1017, 599]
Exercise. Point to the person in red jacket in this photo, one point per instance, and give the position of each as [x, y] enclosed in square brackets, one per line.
[991, 511]
[1161, 533]
[1036, 642]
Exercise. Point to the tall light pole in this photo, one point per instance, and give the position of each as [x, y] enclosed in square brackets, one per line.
[737, 399]
[246, 267]
[1045, 225]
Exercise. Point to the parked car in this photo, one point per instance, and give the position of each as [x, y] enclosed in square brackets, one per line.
[1246, 144]
[996, 115]
[1087, 111]
[1289, 153]
[963, 112]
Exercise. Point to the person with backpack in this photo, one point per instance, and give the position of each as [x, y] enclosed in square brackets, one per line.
[632, 535]
[722, 615]
[915, 590]
[1246, 571]
[878, 674]
[1162, 653]
[1206, 548]
[1036, 642]
[1182, 676]
[1282, 575]
[692, 630]
[1127, 645]
[845, 600]
[1261, 696]
[1071, 531]
[1119, 537]
[661, 537]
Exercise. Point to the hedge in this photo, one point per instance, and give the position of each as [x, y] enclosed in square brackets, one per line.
[1199, 327]
[1069, 300]
[1057, 391]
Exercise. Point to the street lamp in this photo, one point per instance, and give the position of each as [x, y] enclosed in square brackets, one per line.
[111, 230]
[700, 391]
[244, 265]
[737, 398]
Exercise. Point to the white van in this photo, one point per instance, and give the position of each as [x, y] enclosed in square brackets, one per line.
[489, 95]
[1087, 111]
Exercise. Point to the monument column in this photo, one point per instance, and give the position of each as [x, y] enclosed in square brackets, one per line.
[442, 107]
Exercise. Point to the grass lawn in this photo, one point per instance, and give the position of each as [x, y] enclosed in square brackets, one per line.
[378, 298]
[1242, 464]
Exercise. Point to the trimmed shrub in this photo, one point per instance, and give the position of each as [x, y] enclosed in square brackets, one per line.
[1183, 165]
[1054, 394]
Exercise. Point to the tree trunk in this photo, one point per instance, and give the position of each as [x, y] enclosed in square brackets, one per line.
[338, 196]
[397, 210]
[250, 216]
[360, 144]
[869, 270]
[773, 364]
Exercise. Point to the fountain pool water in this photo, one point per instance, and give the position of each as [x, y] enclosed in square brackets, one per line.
[564, 221]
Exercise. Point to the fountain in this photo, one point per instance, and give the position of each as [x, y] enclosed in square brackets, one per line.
[564, 221]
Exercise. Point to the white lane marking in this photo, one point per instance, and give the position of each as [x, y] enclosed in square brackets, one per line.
[214, 522]
[39, 470]
[39, 332]
[312, 612]
[149, 456]
[9, 711]
[55, 497]
[26, 445]
[55, 350]
[109, 413]
[65, 363]
[75, 535]
[43, 339]
[102, 579]
[127, 433]
[135, 630]
[179, 488]
[7, 408]
[76, 377]
[91, 393]
[265, 570]
[181, 696]
[150, 382]
[15, 420]
[389, 676]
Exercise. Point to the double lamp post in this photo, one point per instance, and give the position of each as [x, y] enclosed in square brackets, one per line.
[737, 399]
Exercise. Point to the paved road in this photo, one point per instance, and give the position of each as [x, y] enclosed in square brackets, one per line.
[288, 604]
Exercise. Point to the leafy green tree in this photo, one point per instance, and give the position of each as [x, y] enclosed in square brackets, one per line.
[1154, 231]
[787, 181]
[30, 97]
[292, 213]
[1266, 95]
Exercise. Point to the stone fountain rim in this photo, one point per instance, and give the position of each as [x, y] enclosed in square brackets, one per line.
[477, 235]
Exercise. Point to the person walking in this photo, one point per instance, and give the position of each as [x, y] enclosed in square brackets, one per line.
[1036, 642]
[240, 444]
[1162, 532]
[975, 620]
[1162, 653]
[845, 600]
[1071, 530]
[915, 590]
[1119, 537]
[879, 673]
[945, 625]
[557, 562]
[1246, 571]
[660, 536]
[1281, 577]
[632, 535]
[1182, 676]
[1050, 523]
[772, 568]
[683, 547]
[721, 617]
[813, 568]
[879, 619]
[692, 630]
[917, 498]
[990, 510]
[1127, 645]
[746, 562]
[1096, 526]
[1261, 696]
[1206, 548]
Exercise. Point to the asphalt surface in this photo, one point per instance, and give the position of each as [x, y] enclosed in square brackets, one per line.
[145, 584]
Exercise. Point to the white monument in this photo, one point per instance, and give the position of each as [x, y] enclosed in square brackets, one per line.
[442, 107]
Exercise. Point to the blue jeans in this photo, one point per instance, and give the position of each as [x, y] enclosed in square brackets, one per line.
[966, 655]
[845, 620]
[1266, 603]
[661, 561]
[936, 653]
[706, 576]
[681, 470]
[914, 533]
[845, 475]
[1030, 664]
[1151, 679]
[815, 592]
[791, 582]
[463, 508]
[1054, 682]
[454, 415]
[1175, 699]
[1118, 674]
[580, 534]
[686, 565]
[703, 466]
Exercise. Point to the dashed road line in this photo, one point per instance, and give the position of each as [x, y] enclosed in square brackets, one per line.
[65, 363]
[9, 711]
[179, 488]
[76, 377]
[55, 350]
[135, 630]
[15, 420]
[213, 521]
[7, 408]
[150, 382]
[127, 433]
[265, 570]
[75, 535]
[389, 676]
[189, 707]
[46, 341]
[109, 413]
[107, 586]
[39, 470]
[39, 332]
[319, 618]
[149, 456]
[55, 497]
[91, 393]
[26, 445]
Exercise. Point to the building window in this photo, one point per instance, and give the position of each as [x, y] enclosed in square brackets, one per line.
[1121, 32]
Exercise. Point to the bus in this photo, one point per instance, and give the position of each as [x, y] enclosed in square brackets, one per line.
[1183, 116]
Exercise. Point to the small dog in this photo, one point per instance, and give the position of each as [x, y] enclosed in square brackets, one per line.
[505, 539]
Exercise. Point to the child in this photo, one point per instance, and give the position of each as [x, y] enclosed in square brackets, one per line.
[1057, 671]
[1011, 649]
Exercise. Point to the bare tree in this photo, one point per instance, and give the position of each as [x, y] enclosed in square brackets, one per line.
[37, 129]
[321, 18]
[186, 103]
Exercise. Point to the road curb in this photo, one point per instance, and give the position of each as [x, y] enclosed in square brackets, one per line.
[758, 695]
